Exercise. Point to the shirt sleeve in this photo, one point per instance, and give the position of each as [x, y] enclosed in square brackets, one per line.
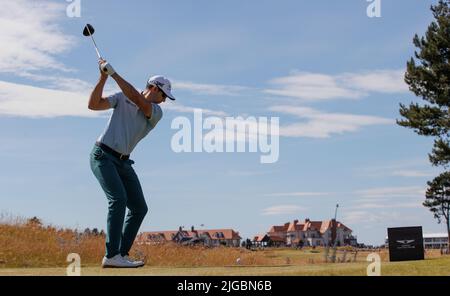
[156, 114]
[114, 99]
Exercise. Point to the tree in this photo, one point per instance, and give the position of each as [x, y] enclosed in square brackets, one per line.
[248, 244]
[430, 80]
[428, 77]
[34, 222]
[438, 199]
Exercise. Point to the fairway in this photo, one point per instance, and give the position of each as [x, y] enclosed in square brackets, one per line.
[429, 267]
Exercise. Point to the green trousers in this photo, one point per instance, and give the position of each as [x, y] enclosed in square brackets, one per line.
[123, 190]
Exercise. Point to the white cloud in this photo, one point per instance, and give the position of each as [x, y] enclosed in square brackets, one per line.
[411, 168]
[311, 86]
[299, 194]
[382, 81]
[322, 125]
[411, 173]
[317, 87]
[66, 97]
[282, 210]
[372, 217]
[31, 40]
[65, 83]
[30, 37]
[211, 89]
[30, 101]
[392, 192]
[388, 205]
[69, 97]
[186, 109]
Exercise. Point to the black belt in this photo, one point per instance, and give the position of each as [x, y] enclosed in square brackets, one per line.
[112, 151]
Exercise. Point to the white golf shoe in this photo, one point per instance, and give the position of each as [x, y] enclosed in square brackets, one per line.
[139, 263]
[119, 262]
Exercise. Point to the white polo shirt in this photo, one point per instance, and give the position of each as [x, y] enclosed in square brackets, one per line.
[127, 124]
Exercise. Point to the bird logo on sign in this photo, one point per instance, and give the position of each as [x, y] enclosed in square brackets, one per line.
[405, 242]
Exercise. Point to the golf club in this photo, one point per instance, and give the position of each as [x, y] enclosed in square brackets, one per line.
[89, 31]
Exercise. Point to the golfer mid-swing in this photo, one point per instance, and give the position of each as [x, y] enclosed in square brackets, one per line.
[135, 115]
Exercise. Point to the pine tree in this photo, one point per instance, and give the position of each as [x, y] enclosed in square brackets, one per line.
[438, 199]
[428, 77]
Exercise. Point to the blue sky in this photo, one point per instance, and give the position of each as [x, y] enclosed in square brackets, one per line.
[330, 73]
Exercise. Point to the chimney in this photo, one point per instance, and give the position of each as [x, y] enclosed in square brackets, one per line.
[192, 228]
[180, 229]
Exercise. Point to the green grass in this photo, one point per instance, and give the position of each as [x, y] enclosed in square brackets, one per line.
[435, 266]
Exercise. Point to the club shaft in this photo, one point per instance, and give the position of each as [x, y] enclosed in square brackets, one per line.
[95, 44]
[96, 48]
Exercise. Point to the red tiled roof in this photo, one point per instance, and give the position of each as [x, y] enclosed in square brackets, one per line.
[278, 228]
[274, 238]
[315, 225]
[216, 233]
[320, 226]
[342, 225]
[154, 235]
[325, 226]
[259, 238]
[212, 233]
[295, 227]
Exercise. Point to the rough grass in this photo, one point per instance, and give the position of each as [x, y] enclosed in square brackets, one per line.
[32, 249]
[30, 245]
[24, 244]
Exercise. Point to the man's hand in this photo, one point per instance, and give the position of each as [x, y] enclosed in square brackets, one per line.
[106, 68]
[96, 101]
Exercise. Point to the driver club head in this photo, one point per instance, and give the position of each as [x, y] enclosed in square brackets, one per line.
[88, 30]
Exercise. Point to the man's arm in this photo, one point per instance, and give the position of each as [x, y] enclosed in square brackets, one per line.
[130, 92]
[96, 101]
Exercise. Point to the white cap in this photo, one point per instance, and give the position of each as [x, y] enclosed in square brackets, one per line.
[163, 84]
